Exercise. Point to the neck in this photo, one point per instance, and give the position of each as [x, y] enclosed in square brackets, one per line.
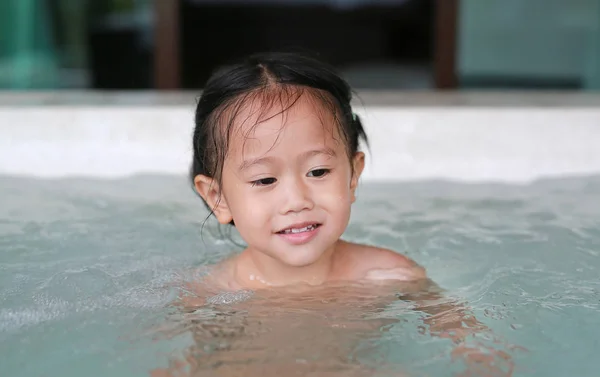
[261, 270]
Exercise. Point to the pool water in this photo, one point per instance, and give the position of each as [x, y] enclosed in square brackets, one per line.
[89, 268]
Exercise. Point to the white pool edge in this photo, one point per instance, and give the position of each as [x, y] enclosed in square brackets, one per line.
[467, 144]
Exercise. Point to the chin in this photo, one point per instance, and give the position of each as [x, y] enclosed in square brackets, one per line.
[303, 261]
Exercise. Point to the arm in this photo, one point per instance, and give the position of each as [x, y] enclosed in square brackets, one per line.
[451, 319]
[443, 316]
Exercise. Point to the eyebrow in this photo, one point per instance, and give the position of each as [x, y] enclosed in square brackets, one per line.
[269, 160]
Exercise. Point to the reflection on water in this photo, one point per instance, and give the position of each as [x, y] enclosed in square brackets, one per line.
[333, 330]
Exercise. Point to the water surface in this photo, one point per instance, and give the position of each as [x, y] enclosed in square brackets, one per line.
[87, 270]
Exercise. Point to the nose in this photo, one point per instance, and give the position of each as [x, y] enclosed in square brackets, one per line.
[296, 197]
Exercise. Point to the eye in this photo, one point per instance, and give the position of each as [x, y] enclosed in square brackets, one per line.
[264, 181]
[317, 173]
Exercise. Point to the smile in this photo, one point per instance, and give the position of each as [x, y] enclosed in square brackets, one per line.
[300, 228]
[307, 228]
[299, 234]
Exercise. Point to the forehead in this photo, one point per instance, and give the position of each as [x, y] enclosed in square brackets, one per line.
[290, 121]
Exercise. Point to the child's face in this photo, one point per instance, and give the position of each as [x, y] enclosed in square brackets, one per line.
[288, 183]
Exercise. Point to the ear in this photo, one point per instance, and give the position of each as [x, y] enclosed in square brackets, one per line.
[358, 163]
[210, 191]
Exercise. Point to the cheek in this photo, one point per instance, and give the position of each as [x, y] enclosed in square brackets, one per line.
[246, 207]
[336, 193]
[250, 211]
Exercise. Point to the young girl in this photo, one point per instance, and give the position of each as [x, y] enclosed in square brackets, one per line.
[276, 154]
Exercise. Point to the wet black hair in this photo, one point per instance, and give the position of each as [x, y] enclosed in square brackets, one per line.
[269, 79]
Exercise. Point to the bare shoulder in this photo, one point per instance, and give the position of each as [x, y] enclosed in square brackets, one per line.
[376, 263]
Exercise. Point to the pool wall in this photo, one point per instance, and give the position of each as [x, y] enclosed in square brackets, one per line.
[474, 137]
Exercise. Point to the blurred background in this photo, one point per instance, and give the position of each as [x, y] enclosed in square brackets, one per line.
[376, 44]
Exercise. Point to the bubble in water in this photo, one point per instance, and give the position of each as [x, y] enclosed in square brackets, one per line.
[226, 298]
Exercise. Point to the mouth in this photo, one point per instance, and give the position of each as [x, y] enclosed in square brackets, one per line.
[300, 228]
[301, 233]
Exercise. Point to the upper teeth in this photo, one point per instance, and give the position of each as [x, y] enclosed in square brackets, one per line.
[299, 230]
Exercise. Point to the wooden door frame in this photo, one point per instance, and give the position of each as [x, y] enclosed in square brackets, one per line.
[445, 44]
[167, 44]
